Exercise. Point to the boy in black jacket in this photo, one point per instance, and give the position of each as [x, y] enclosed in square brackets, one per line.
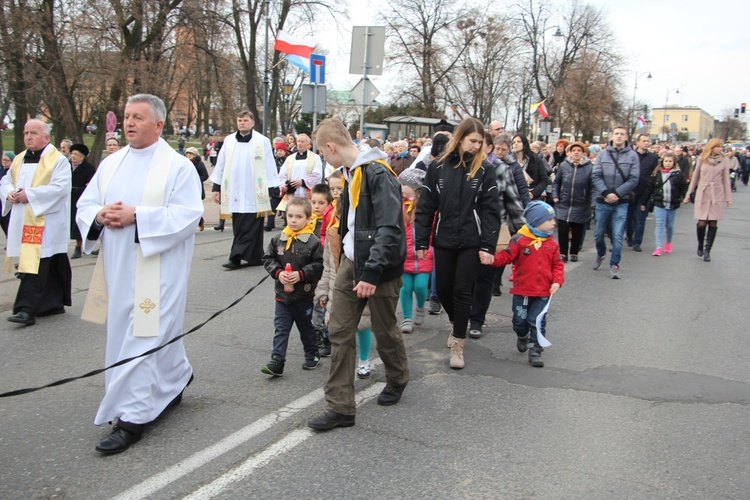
[298, 248]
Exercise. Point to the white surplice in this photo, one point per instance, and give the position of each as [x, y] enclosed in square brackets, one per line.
[51, 200]
[139, 391]
[242, 180]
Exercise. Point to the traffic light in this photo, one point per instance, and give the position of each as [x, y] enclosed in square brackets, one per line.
[736, 113]
[742, 107]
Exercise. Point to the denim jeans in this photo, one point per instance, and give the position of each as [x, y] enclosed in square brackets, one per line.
[664, 220]
[525, 312]
[286, 315]
[637, 219]
[614, 216]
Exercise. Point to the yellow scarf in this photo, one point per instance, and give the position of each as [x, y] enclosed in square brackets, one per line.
[536, 241]
[357, 181]
[292, 234]
[409, 206]
[33, 225]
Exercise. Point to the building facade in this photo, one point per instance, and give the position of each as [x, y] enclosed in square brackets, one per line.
[690, 123]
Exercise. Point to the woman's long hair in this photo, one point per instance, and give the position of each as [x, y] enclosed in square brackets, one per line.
[707, 150]
[466, 127]
[526, 151]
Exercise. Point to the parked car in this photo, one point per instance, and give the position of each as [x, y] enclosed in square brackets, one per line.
[91, 128]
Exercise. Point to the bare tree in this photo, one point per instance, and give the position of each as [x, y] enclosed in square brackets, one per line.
[430, 38]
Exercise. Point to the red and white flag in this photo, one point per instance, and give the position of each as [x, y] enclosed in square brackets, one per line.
[540, 108]
[297, 50]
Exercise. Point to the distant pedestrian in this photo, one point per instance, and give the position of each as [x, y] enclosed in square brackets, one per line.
[712, 190]
[665, 189]
[83, 171]
[572, 193]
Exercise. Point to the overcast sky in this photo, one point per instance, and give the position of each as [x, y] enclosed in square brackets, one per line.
[699, 47]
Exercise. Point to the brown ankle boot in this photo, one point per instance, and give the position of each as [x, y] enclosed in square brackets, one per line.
[457, 354]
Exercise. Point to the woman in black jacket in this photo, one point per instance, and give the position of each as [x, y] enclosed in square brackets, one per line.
[532, 164]
[571, 193]
[461, 188]
[83, 171]
[194, 156]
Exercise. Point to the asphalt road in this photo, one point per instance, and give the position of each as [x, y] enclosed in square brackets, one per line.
[645, 394]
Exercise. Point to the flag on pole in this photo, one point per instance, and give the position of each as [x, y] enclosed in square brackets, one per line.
[641, 121]
[540, 108]
[297, 50]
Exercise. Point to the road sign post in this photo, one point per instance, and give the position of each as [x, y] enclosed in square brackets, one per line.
[368, 53]
[317, 75]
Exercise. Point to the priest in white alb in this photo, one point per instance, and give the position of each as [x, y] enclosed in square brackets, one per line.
[36, 192]
[144, 204]
[245, 169]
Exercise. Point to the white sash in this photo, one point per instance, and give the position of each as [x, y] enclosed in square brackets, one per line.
[146, 311]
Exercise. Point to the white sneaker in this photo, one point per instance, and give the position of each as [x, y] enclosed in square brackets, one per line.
[419, 313]
[406, 325]
[364, 369]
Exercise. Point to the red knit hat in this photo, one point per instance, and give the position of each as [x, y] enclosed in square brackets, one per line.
[282, 145]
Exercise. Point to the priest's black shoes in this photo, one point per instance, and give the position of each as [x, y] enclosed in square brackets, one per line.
[330, 420]
[23, 318]
[231, 265]
[123, 435]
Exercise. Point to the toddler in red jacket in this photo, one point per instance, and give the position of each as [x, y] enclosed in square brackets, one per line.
[539, 273]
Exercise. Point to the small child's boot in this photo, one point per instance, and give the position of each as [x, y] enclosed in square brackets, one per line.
[274, 367]
[325, 349]
[535, 356]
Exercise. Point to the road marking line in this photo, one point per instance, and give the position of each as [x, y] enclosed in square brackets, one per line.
[201, 458]
[261, 459]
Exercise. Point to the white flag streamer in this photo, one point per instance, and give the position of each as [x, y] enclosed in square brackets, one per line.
[543, 342]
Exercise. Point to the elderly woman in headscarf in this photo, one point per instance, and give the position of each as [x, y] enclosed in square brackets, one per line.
[83, 171]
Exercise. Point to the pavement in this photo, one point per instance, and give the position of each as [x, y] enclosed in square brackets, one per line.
[645, 393]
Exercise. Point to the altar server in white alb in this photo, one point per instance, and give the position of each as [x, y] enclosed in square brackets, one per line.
[36, 192]
[245, 169]
[144, 204]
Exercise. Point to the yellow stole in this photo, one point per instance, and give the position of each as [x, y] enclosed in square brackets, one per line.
[292, 235]
[33, 225]
[357, 181]
[262, 200]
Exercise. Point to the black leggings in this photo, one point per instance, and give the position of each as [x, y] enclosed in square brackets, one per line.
[563, 227]
[455, 271]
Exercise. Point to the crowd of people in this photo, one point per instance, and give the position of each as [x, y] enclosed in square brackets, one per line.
[368, 226]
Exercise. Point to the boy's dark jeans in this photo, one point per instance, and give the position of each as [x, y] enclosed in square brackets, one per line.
[525, 312]
[299, 313]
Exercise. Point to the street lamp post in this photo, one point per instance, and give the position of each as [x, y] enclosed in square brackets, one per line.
[635, 88]
[288, 87]
[666, 103]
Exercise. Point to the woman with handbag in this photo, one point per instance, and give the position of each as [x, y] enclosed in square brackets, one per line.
[710, 190]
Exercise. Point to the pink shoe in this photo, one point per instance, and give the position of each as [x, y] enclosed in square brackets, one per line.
[668, 248]
[657, 252]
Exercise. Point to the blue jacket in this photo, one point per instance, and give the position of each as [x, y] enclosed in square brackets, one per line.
[608, 179]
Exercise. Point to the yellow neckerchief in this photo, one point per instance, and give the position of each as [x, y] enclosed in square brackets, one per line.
[357, 181]
[292, 234]
[315, 220]
[409, 205]
[334, 221]
[536, 241]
